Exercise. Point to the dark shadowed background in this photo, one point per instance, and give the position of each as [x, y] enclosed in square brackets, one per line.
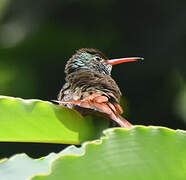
[38, 37]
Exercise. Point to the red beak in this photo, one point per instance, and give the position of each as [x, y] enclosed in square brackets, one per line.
[123, 60]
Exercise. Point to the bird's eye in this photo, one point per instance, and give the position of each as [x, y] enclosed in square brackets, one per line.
[98, 58]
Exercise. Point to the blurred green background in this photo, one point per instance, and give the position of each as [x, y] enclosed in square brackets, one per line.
[38, 37]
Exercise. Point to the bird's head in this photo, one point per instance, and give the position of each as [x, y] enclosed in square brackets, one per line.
[95, 60]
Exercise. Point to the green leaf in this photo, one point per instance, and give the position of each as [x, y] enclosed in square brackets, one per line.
[41, 121]
[140, 153]
[23, 167]
[147, 153]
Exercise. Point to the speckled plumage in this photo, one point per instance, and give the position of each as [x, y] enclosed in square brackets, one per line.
[90, 86]
[83, 83]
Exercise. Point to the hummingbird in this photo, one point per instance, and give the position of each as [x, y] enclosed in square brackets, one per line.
[89, 87]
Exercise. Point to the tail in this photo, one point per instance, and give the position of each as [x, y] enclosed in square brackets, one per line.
[121, 121]
[101, 104]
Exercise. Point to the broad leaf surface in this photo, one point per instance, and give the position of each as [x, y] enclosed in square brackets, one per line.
[141, 153]
[22, 167]
[41, 121]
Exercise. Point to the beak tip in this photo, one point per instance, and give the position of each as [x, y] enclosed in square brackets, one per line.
[141, 58]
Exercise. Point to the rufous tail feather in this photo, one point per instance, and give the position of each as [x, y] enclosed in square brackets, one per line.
[112, 110]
